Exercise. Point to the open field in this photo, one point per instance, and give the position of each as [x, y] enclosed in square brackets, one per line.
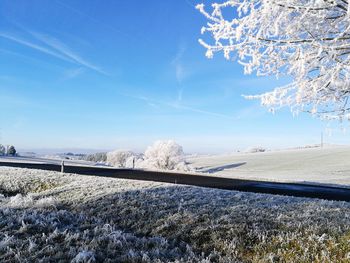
[50, 216]
[328, 165]
[46, 160]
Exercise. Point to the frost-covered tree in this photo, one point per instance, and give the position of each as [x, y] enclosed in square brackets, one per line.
[119, 158]
[96, 157]
[164, 155]
[2, 150]
[308, 40]
[11, 150]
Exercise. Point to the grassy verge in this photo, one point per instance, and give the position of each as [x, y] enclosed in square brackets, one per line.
[90, 219]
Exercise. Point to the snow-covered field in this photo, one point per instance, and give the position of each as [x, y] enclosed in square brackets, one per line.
[54, 217]
[328, 165]
[47, 160]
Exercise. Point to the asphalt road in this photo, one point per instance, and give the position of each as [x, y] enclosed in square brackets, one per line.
[289, 189]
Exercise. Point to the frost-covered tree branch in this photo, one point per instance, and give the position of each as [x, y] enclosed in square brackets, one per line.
[306, 39]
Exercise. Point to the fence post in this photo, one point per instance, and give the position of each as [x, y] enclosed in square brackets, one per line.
[62, 167]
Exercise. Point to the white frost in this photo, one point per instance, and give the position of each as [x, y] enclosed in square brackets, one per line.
[305, 39]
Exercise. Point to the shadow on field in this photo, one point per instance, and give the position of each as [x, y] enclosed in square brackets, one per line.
[210, 220]
[224, 167]
[130, 221]
[9, 193]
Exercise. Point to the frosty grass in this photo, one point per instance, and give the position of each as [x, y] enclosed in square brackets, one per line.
[53, 217]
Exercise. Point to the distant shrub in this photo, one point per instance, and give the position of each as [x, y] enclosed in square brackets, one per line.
[256, 150]
[11, 151]
[120, 158]
[96, 157]
[2, 149]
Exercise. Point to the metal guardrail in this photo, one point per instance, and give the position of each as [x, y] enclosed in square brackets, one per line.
[289, 189]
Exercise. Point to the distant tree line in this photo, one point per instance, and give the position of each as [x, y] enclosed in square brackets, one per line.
[9, 150]
[96, 157]
[162, 155]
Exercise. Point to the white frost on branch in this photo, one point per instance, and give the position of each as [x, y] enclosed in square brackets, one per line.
[162, 155]
[119, 158]
[306, 39]
[165, 155]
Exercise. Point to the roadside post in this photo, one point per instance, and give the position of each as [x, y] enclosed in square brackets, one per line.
[62, 167]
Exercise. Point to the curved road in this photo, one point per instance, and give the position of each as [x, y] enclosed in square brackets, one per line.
[291, 189]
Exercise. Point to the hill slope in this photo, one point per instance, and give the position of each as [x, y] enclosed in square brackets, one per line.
[330, 165]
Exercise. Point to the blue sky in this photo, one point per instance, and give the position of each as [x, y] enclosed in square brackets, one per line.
[120, 74]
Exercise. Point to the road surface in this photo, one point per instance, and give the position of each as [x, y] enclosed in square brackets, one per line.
[289, 189]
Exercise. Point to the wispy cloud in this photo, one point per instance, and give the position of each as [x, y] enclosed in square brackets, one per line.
[66, 51]
[27, 43]
[180, 72]
[179, 94]
[72, 73]
[91, 18]
[180, 52]
[251, 112]
[177, 105]
[53, 47]
[184, 107]
[13, 101]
